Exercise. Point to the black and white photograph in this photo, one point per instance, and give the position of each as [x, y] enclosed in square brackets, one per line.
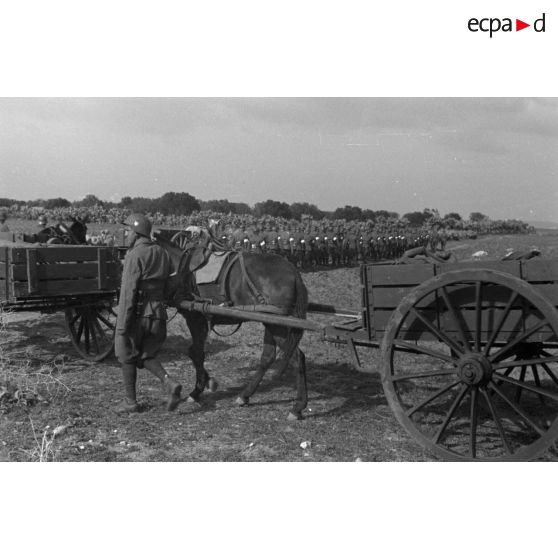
[278, 278]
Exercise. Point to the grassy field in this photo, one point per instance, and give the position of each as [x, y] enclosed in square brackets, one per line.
[56, 407]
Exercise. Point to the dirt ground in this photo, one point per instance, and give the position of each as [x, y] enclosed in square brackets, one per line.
[57, 407]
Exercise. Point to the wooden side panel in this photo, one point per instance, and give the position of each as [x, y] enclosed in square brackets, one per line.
[512, 267]
[51, 254]
[45, 271]
[386, 286]
[391, 275]
[390, 297]
[538, 270]
[89, 270]
[32, 279]
[3, 262]
[64, 287]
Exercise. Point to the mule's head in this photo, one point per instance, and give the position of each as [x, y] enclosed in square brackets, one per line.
[79, 229]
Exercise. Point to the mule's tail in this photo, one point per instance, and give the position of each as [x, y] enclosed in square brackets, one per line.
[301, 301]
[295, 335]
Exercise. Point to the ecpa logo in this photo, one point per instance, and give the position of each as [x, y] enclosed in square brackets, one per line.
[493, 25]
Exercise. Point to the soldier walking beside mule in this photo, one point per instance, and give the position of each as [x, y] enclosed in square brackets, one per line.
[3, 226]
[141, 326]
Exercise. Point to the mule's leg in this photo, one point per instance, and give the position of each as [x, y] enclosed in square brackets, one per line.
[199, 329]
[268, 358]
[289, 344]
[301, 388]
[288, 341]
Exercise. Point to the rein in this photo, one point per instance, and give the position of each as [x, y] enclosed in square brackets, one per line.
[224, 334]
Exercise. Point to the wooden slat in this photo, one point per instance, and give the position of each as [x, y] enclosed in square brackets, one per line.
[379, 320]
[512, 267]
[390, 297]
[69, 288]
[71, 270]
[492, 295]
[3, 265]
[8, 292]
[101, 268]
[63, 254]
[399, 274]
[32, 279]
[540, 270]
[490, 319]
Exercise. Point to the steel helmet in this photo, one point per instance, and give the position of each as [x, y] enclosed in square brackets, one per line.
[139, 223]
[42, 220]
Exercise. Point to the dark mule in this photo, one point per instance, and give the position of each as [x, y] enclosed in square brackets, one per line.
[61, 234]
[78, 228]
[278, 283]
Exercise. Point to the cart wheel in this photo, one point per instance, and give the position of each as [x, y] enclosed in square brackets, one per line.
[470, 366]
[91, 329]
[180, 238]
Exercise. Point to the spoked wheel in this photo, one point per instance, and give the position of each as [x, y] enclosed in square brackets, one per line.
[181, 238]
[470, 367]
[91, 329]
[55, 240]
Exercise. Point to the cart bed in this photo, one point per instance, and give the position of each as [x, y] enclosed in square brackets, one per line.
[54, 272]
[384, 286]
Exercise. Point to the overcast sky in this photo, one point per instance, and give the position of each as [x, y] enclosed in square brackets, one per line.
[497, 156]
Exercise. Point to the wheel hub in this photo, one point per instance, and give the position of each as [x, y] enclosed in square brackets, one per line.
[474, 369]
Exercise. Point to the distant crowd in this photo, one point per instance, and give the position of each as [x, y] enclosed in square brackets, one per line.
[307, 242]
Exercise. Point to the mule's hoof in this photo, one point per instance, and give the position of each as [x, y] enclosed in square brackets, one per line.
[294, 416]
[212, 385]
[242, 401]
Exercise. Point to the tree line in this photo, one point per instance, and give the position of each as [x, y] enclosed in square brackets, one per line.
[182, 203]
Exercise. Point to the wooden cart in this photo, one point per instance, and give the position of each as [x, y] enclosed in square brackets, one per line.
[81, 281]
[468, 352]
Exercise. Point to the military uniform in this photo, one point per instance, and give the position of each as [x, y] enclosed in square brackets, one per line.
[141, 325]
[3, 226]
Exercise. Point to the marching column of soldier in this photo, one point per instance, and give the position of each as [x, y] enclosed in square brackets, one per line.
[320, 244]
[308, 243]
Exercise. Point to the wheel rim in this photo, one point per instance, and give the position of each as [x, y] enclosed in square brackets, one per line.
[91, 329]
[471, 367]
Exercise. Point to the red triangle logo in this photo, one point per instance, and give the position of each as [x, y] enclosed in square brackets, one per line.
[519, 25]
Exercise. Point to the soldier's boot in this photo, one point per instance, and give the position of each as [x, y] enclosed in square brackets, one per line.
[171, 387]
[129, 405]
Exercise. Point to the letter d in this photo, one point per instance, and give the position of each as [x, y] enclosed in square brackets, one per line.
[536, 24]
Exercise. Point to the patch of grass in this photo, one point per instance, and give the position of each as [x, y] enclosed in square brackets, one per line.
[23, 378]
[44, 446]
